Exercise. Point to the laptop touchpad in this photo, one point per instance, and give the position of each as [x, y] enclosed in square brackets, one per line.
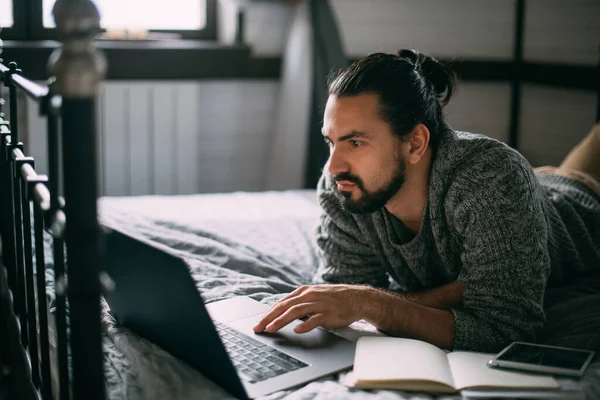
[286, 338]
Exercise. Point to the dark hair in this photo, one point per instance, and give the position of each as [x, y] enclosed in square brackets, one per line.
[411, 86]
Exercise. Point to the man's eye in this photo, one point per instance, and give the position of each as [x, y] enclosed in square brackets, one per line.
[328, 142]
[356, 143]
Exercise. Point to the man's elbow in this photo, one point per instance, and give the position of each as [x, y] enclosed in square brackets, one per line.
[491, 336]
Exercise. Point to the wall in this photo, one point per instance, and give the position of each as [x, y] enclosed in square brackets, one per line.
[444, 29]
[556, 31]
[553, 119]
[212, 136]
[176, 138]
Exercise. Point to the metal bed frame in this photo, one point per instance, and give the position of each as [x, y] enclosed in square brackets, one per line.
[68, 103]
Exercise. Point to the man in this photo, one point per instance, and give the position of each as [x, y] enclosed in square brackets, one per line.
[469, 235]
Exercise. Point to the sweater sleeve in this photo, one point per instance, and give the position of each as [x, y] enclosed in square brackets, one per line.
[344, 254]
[498, 216]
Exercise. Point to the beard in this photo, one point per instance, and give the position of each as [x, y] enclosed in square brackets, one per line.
[369, 201]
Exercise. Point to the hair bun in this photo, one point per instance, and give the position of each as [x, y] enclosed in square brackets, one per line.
[409, 54]
[442, 78]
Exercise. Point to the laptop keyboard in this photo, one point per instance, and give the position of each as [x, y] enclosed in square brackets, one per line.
[254, 360]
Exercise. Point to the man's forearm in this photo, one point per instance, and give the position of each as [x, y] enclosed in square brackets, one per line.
[445, 297]
[397, 316]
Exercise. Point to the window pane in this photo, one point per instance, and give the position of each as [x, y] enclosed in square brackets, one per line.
[144, 14]
[6, 14]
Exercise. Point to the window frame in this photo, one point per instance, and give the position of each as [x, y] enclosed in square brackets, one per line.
[18, 31]
[28, 24]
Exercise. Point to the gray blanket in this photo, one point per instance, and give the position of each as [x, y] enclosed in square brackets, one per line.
[256, 244]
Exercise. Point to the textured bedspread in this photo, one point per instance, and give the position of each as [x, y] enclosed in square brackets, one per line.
[256, 244]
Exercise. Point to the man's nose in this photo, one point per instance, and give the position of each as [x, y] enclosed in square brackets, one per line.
[337, 163]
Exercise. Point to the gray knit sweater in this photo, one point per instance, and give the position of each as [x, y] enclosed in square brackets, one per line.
[489, 222]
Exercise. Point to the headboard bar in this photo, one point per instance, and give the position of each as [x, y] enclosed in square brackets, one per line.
[79, 70]
[12, 93]
[26, 167]
[70, 97]
[15, 190]
[31, 89]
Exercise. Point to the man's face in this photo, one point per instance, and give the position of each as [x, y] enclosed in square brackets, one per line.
[365, 156]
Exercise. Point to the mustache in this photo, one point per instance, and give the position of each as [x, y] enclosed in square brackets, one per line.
[346, 176]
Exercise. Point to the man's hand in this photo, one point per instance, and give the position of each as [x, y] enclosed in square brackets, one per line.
[329, 306]
[423, 316]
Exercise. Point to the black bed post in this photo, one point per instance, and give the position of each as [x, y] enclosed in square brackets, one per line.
[79, 69]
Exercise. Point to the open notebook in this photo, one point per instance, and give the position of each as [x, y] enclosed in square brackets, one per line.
[406, 364]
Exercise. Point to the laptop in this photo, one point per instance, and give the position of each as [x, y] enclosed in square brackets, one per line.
[155, 296]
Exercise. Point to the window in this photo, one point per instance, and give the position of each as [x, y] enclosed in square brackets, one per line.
[144, 14]
[189, 19]
[6, 14]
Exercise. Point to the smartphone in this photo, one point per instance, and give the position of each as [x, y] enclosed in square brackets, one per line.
[543, 359]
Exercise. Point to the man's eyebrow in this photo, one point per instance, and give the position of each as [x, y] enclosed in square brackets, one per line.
[349, 136]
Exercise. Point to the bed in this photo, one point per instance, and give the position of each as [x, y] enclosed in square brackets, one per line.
[256, 244]
[61, 339]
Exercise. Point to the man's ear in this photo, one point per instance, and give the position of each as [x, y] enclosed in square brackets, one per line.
[418, 143]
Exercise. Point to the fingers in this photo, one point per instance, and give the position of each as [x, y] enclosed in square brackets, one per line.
[288, 296]
[279, 308]
[294, 312]
[310, 324]
[275, 312]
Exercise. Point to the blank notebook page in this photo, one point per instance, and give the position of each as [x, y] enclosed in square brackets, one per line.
[471, 370]
[388, 358]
